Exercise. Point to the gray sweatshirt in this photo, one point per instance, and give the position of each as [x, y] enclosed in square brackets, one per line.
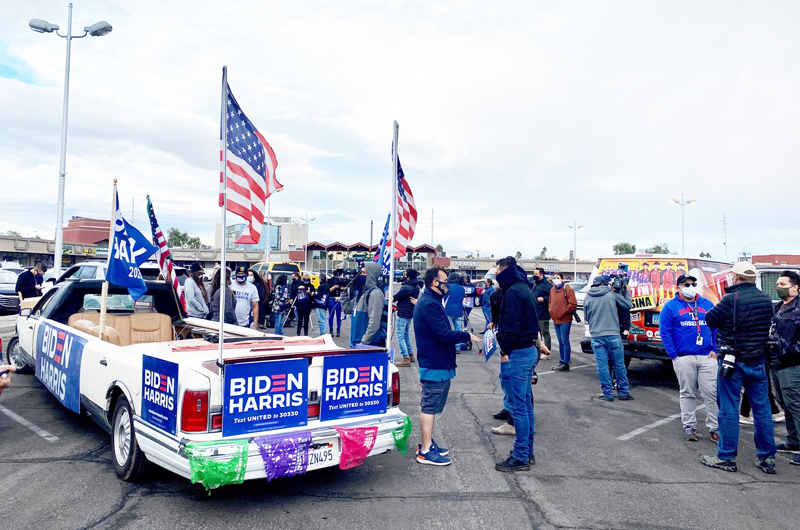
[195, 304]
[600, 310]
[372, 303]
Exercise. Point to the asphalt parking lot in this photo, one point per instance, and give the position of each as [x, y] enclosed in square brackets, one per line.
[598, 465]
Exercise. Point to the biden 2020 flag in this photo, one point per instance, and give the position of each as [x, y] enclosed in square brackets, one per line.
[127, 252]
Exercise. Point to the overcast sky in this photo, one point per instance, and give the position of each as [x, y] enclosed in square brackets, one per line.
[516, 117]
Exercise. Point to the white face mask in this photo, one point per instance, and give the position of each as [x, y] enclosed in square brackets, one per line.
[689, 292]
[556, 281]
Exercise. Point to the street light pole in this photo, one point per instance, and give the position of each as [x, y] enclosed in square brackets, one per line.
[682, 203]
[97, 29]
[575, 228]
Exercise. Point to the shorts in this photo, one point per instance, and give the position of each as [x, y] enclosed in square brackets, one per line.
[434, 396]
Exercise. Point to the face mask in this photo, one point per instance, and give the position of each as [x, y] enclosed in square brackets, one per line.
[689, 292]
[783, 292]
[250, 279]
[556, 281]
[443, 287]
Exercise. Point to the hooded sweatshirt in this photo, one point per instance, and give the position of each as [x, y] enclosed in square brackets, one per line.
[368, 325]
[680, 324]
[600, 309]
[517, 321]
[454, 299]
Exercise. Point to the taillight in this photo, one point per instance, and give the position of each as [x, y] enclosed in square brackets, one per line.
[396, 389]
[216, 422]
[194, 414]
[313, 411]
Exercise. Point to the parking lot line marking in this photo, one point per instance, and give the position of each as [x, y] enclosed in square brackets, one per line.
[659, 423]
[22, 421]
[571, 368]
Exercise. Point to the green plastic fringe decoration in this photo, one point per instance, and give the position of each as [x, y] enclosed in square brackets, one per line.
[215, 470]
[401, 437]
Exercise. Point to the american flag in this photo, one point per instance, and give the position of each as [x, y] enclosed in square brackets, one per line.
[251, 171]
[162, 254]
[406, 214]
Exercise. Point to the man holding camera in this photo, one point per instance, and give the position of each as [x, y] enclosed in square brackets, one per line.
[601, 310]
[691, 345]
[743, 318]
[785, 358]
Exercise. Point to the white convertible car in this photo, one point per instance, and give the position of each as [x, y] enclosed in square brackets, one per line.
[154, 382]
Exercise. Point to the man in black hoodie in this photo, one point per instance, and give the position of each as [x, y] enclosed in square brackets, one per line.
[743, 318]
[517, 332]
[541, 291]
[405, 298]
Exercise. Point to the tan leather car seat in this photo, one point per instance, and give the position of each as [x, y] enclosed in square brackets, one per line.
[137, 328]
[87, 326]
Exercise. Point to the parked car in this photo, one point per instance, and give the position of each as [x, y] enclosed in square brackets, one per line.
[9, 300]
[162, 399]
[580, 294]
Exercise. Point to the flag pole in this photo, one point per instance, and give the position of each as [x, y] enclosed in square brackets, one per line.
[223, 277]
[104, 291]
[393, 235]
[269, 222]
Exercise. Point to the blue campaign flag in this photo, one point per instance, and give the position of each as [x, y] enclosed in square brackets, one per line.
[125, 254]
[384, 253]
[489, 344]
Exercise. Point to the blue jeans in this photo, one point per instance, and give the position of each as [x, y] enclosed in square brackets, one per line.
[562, 333]
[754, 379]
[404, 337]
[457, 323]
[487, 314]
[517, 373]
[606, 348]
[322, 320]
[334, 310]
[279, 320]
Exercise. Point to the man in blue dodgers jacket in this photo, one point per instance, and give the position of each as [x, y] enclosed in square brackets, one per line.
[691, 345]
[436, 353]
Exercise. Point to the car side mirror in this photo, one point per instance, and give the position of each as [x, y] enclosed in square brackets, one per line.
[25, 313]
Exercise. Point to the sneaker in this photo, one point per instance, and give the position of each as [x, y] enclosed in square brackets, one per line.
[404, 362]
[441, 450]
[412, 358]
[767, 465]
[779, 418]
[562, 367]
[715, 436]
[626, 397]
[689, 434]
[786, 448]
[603, 396]
[338, 332]
[502, 415]
[433, 458]
[745, 420]
[512, 464]
[795, 461]
[531, 460]
[716, 462]
[543, 357]
[505, 429]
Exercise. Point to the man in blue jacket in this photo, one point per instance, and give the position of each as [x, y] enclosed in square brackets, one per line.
[691, 345]
[454, 305]
[436, 354]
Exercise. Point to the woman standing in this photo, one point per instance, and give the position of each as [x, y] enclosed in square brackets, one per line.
[486, 304]
[280, 306]
[562, 305]
[230, 312]
[302, 303]
[195, 293]
[263, 295]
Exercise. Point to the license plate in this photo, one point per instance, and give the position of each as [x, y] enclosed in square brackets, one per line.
[325, 456]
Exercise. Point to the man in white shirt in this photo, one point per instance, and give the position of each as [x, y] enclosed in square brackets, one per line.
[246, 299]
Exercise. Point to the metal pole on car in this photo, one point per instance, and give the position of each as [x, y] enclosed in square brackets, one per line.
[393, 236]
[104, 292]
[223, 276]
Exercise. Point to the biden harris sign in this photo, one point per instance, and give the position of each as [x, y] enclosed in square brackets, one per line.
[58, 363]
[354, 385]
[264, 396]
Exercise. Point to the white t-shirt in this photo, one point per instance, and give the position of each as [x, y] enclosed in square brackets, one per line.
[245, 295]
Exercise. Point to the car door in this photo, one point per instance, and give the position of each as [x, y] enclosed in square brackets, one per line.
[27, 326]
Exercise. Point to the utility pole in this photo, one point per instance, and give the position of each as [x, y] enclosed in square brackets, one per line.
[431, 226]
[370, 232]
[133, 208]
[575, 227]
[725, 232]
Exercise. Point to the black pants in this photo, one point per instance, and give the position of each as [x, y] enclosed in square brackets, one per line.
[303, 314]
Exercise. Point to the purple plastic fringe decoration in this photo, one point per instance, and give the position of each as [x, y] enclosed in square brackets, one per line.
[284, 456]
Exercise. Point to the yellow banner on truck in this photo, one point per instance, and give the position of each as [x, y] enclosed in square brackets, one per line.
[651, 282]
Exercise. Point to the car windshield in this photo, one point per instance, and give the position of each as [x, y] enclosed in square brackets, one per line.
[117, 302]
[7, 277]
[285, 267]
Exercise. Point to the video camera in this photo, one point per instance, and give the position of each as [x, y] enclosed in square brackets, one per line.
[619, 281]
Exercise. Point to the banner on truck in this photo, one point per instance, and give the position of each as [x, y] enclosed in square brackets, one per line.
[58, 364]
[354, 385]
[651, 281]
[160, 393]
[264, 396]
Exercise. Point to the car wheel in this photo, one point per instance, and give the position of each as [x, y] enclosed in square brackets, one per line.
[14, 357]
[129, 460]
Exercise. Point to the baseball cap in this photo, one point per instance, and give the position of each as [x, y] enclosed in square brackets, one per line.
[744, 268]
[683, 277]
[599, 280]
[241, 271]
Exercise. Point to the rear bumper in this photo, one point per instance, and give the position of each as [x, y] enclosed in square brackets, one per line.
[168, 451]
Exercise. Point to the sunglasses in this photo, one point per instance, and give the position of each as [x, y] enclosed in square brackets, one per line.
[689, 284]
